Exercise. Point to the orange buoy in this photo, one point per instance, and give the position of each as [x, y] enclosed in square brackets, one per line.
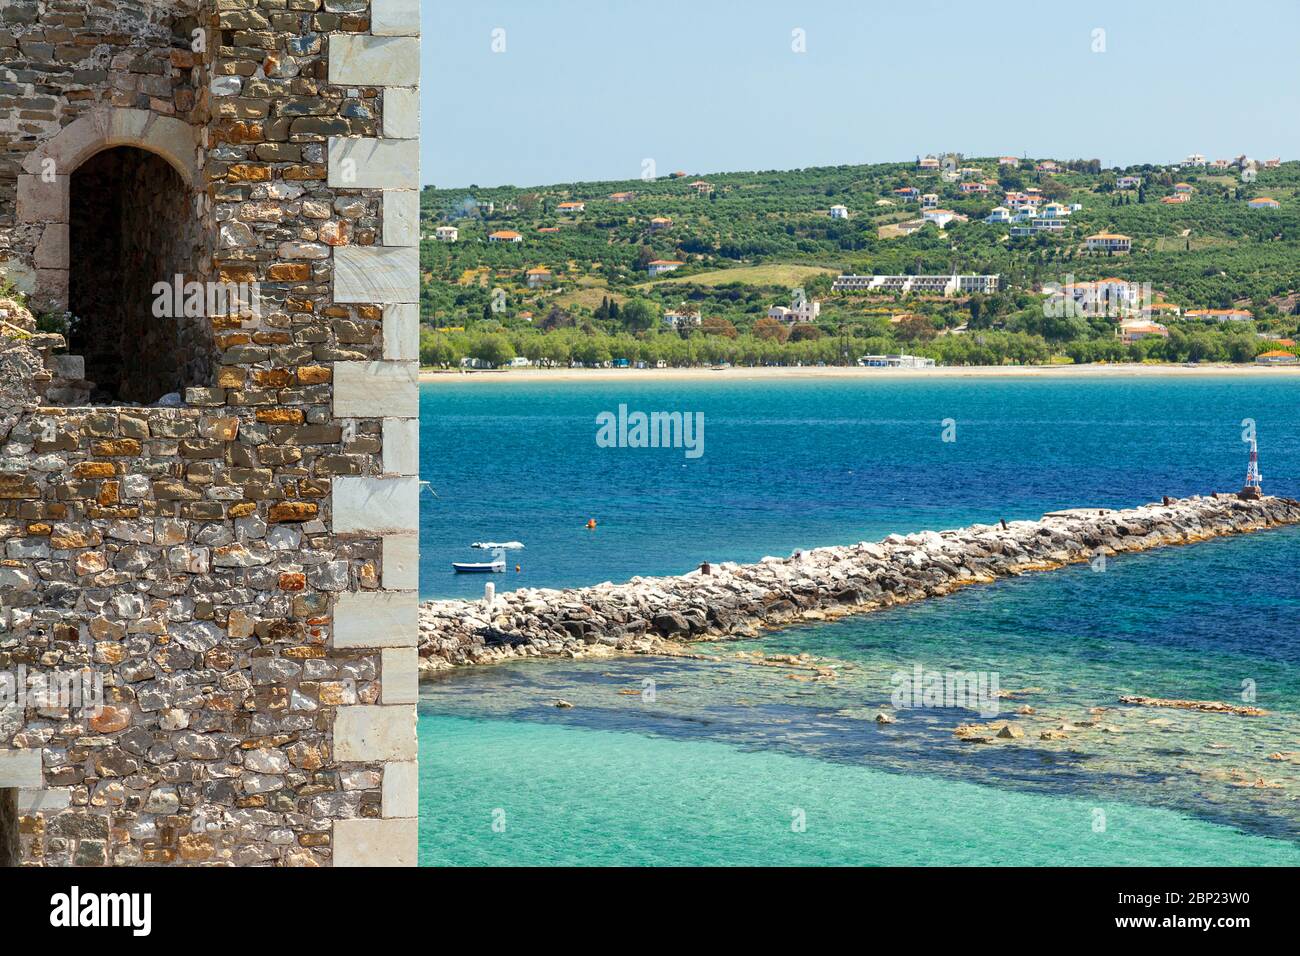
[591, 524]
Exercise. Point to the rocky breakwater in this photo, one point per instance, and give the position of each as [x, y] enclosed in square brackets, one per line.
[658, 615]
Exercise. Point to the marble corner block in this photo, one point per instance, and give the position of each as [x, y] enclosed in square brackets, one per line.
[41, 200]
[376, 390]
[20, 769]
[401, 446]
[369, 733]
[33, 801]
[401, 217]
[374, 60]
[53, 249]
[401, 789]
[401, 562]
[402, 332]
[364, 842]
[376, 274]
[395, 18]
[400, 675]
[377, 619]
[357, 162]
[401, 112]
[375, 506]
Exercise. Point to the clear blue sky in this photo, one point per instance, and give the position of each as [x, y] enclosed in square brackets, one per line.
[588, 89]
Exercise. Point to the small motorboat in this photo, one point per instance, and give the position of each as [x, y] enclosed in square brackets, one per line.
[478, 567]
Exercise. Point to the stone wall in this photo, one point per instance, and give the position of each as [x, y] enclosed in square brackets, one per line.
[241, 570]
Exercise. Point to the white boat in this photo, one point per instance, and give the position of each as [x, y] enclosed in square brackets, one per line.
[478, 567]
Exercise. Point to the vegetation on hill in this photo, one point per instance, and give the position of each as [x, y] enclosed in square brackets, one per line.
[748, 242]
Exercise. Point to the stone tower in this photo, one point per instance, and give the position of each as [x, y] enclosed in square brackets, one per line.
[208, 503]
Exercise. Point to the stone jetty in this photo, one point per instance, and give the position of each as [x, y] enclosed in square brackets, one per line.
[658, 615]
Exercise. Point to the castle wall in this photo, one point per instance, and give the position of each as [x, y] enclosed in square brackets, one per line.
[241, 570]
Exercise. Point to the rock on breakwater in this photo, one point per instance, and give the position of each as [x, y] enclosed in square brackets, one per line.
[656, 615]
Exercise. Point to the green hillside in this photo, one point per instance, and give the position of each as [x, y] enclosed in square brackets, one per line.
[752, 238]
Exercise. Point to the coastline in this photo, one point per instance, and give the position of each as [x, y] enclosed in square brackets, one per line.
[738, 373]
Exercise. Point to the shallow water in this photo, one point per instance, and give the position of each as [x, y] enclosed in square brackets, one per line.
[693, 761]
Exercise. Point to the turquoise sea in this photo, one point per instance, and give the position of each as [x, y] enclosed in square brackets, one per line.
[720, 760]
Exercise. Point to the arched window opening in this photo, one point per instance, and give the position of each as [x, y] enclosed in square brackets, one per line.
[131, 227]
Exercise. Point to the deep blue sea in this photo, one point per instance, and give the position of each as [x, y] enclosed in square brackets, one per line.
[723, 761]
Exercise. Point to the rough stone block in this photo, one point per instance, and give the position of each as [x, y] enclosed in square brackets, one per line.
[376, 390]
[402, 217]
[376, 274]
[400, 675]
[365, 733]
[376, 619]
[375, 506]
[374, 60]
[359, 163]
[401, 556]
[376, 842]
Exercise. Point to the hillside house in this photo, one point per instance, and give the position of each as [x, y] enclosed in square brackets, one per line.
[571, 207]
[659, 266]
[538, 277]
[941, 217]
[659, 223]
[1138, 329]
[908, 193]
[929, 201]
[999, 214]
[929, 163]
[1219, 315]
[1128, 182]
[505, 235]
[1009, 161]
[1263, 202]
[1109, 242]
[839, 212]
[682, 318]
[701, 187]
[446, 234]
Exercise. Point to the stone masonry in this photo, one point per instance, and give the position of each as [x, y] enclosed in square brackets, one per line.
[238, 563]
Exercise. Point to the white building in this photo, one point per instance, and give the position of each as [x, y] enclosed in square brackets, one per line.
[660, 266]
[941, 217]
[682, 319]
[1128, 182]
[999, 214]
[919, 285]
[895, 361]
[839, 212]
[1109, 242]
[446, 234]
[929, 201]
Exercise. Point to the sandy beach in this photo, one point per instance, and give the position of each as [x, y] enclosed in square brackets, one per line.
[840, 372]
